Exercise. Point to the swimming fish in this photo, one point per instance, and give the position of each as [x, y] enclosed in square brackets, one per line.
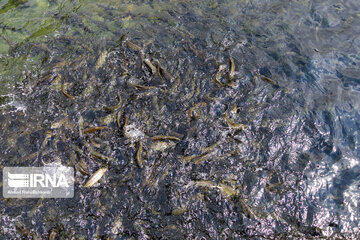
[95, 177]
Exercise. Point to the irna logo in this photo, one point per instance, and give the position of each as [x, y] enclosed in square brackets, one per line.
[36, 182]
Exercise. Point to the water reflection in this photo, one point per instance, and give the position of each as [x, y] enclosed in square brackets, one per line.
[267, 150]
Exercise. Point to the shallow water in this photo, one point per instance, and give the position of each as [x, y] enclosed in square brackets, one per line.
[291, 170]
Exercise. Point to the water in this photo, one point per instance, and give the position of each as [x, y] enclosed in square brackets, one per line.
[291, 170]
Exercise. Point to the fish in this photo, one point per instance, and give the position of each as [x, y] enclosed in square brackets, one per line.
[206, 153]
[58, 124]
[232, 68]
[156, 104]
[202, 158]
[82, 168]
[161, 145]
[139, 160]
[192, 109]
[228, 190]
[95, 144]
[165, 137]
[150, 65]
[267, 79]
[190, 157]
[176, 84]
[65, 93]
[210, 148]
[94, 129]
[49, 134]
[126, 123]
[81, 126]
[58, 66]
[205, 183]
[178, 211]
[102, 156]
[101, 60]
[144, 87]
[217, 76]
[232, 84]
[113, 108]
[122, 38]
[52, 235]
[95, 177]
[225, 189]
[132, 46]
[233, 124]
[164, 73]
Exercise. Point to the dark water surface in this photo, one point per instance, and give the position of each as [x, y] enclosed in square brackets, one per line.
[266, 150]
